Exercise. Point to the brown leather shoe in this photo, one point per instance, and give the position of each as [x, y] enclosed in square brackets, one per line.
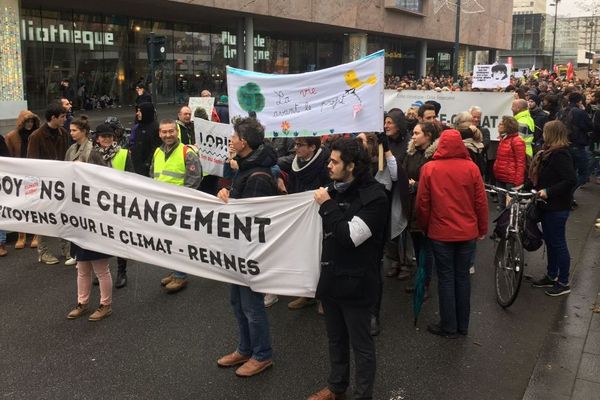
[20, 242]
[176, 285]
[3, 251]
[326, 394]
[166, 280]
[301, 302]
[253, 367]
[231, 360]
[78, 311]
[102, 312]
[34, 242]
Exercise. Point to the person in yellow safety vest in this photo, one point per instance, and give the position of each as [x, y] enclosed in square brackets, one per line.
[108, 153]
[521, 113]
[177, 164]
[185, 126]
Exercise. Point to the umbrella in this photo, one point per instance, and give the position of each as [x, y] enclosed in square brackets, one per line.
[419, 292]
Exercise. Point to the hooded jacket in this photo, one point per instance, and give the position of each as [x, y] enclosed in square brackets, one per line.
[146, 140]
[253, 178]
[415, 159]
[510, 163]
[451, 203]
[16, 137]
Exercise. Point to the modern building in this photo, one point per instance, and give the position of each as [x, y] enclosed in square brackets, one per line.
[101, 46]
[533, 37]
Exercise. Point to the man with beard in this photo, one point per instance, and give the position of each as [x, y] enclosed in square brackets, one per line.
[307, 171]
[354, 210]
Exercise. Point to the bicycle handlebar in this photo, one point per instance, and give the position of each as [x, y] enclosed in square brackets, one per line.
[510, 193]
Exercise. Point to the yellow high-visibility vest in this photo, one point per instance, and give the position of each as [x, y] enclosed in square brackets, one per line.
[171, 170]
[120, 159]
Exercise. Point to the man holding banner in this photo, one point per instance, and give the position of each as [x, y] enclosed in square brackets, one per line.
[177, 164]
[354, 213]
[253, 179]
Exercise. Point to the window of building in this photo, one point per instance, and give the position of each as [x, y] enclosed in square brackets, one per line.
[409, 5]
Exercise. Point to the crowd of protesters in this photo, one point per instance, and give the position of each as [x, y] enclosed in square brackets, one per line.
[423, 199]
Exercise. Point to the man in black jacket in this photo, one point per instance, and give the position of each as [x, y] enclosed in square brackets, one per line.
[253, 179]
[354, 211]
[540, 117]
[144, 138]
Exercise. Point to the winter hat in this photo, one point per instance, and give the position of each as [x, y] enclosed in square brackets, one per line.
[535, 98]
[104, 129]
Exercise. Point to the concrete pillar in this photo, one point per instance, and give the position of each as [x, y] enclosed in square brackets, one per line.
[239, 44]
[422, 59]
[249, 44]
[12, 95]
[357, 46]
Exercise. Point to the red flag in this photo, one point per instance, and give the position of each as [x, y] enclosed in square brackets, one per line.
[569, 70]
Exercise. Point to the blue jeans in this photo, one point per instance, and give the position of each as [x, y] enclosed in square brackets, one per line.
[452, 262]
[559, 260]
[581, 161]
[251, 315]
[178, 274]
[2, 237]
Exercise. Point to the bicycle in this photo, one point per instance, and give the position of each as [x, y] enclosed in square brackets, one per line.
[509, 259]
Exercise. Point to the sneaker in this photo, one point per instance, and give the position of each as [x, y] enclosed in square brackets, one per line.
[327, 394]
[301, 302]
[176, 284]
[543, 282]
[558, 290]
[70, 261]
[3, 251]
[78, 311]
[270, 299]
[253, 367]
[472, 270]
[48, 259]
[165, 281]
[231, 360]
[102, 312]
[121, 280]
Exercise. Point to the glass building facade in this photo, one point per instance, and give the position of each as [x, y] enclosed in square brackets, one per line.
[107, 55]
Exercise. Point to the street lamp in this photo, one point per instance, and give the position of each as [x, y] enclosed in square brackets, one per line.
[456, 43]
[591, 25]
[554, 31]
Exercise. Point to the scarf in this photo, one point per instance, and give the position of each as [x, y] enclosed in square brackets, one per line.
[341, 187]
[109, 152]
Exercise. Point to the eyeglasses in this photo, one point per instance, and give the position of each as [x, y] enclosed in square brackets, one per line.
[300, 144]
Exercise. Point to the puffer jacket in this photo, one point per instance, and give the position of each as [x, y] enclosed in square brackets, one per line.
[510, 163]
[451, 201]
[16, 137]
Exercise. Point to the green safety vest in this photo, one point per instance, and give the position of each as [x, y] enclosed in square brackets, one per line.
[524, 118]
[120, 159]
[172, 170]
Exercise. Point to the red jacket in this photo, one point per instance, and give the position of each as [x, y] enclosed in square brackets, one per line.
[509, 166]
[451, 202]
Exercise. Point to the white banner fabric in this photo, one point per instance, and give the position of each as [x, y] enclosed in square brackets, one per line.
[212, 139]
[491, 76]
[493, 104]
[344, 99]
[204, 102]
[272, 245]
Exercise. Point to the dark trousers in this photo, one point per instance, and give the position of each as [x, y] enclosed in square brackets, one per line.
[349, 325]
[122, 265]
[559, 260]
[452, 262]
[581, 162]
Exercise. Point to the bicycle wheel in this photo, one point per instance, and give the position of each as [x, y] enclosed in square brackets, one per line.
[509, 264]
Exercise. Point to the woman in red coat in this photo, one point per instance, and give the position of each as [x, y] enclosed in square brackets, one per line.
[510, 164]
[452, 210]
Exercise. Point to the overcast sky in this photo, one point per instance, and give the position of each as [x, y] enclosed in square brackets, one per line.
[573, 8]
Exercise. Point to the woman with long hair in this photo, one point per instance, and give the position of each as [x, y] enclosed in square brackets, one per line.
[553, 176]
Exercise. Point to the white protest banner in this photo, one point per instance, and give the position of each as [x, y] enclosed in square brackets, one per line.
[271, 244]
[212, 139]
[493, 104]
[204, 102]
[491, 76]
[344, 99]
